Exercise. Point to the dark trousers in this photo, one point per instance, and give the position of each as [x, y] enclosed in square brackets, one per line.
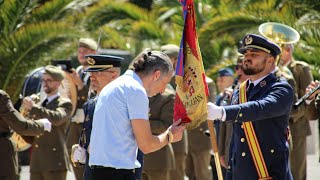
[87, 175]
[100, 173]
[138, 171]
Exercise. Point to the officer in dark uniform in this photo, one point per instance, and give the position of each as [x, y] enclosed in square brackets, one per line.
[103, 70]
[82, 81]
[88, 108]
[259, 147]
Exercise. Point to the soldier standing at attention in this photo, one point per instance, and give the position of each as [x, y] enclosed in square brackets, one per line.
[12, 120]
[180, 148]
[298, 122]
[259, 112]
[49, 157]
[82, 81]
[102, 69]
[159, 164]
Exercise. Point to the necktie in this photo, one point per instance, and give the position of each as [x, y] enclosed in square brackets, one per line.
[250, 88]
[44, 103]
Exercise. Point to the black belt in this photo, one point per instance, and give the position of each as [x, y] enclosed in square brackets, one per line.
[5, 134]
[111, 169]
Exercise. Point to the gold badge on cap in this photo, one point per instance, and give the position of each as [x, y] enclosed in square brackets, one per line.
[91, 61]
[248, 40]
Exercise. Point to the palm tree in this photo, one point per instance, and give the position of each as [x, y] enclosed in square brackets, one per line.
[137, 27]
[29, 30]
[232, 18]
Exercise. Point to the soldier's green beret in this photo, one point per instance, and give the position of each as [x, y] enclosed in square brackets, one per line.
[88, 43]
[170, 50]
[55, 72]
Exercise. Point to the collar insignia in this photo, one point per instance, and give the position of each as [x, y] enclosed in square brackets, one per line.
[263, 83]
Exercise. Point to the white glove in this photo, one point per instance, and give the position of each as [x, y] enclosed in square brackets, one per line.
[215, 112]
[78, 154]
[46, 123]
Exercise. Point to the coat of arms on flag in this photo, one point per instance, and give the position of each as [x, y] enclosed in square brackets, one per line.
[192, 90]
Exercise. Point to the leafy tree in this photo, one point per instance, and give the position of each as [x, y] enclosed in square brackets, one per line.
[27, 31]
[138, 27]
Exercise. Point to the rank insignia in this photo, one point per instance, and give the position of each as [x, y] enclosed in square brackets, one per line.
[91, 61]
[263, 83]
[248, 40]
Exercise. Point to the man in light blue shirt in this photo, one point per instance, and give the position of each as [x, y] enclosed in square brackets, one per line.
[121, 123]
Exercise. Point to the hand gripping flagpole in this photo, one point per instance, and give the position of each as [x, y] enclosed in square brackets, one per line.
[188, 60]
[215, 149]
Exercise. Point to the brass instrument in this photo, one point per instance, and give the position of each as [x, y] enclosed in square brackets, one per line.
[33, 86]
[19, 143]
[23, 110]
[279, 33]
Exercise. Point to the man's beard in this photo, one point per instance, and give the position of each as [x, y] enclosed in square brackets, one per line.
[48, 90]
[250, 71]
[253, 70]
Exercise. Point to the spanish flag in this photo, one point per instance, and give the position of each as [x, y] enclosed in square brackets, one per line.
[192, 90]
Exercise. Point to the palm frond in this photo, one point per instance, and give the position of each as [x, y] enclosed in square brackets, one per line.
[18, 45]
[112, 39]
[106, 11]
[236, 24]
[51, 10]
[11, 15]
[146, 30]
[212, 51]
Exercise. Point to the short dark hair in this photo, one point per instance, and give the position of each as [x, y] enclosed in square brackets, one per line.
[147, 62]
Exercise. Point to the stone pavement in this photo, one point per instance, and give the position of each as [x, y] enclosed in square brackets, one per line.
[313, 169]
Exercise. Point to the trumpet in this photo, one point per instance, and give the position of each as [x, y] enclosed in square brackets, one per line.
[305, 97]
[22, 143]
[23, 110]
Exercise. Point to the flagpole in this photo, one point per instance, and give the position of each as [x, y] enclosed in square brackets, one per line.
[215, 149]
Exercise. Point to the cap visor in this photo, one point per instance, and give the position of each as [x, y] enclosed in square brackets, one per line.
[243, 50]
[95, 69]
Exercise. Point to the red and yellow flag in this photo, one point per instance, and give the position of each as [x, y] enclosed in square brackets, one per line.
[192, 90]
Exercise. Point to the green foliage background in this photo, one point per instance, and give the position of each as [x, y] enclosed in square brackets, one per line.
[33, 32]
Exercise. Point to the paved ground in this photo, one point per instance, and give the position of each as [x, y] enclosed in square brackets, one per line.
[313, 169]
[313, 172]
[313, 165]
